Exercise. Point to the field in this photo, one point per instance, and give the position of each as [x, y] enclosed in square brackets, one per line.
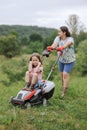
[69, 113]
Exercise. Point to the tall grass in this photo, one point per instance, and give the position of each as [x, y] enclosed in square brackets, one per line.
[69, 113]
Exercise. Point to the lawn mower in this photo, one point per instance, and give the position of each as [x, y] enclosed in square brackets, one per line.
[39, 95]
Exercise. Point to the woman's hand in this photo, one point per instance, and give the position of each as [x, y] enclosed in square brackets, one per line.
[49, 48]
[60, 48]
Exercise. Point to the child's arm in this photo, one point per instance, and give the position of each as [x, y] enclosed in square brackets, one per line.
[39, 68]
[30, 66]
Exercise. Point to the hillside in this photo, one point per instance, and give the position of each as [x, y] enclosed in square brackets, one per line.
[26, 30]
[69, 113]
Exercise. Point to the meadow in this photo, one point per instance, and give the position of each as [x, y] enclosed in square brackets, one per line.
[69, 113]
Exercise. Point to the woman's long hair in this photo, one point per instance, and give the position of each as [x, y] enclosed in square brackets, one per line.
[65, 29]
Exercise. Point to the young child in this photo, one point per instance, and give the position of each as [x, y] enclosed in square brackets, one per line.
[35, 69]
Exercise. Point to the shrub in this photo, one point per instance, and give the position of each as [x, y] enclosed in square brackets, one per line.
[34, 47]
[15, 70]
[82, 58]
[9, 46]
[36, 37]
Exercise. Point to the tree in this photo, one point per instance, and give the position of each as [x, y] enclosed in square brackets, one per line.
[74, 24]
[13, 32]
[24, 41]
[48, 41]
[9, 46]
[35, 47]
[36, 37]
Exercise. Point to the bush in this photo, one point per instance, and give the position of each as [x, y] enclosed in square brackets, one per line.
[48, 41]
[9, 46]
[82, 58]
[15, 70]
[36, 37]
[33, 47]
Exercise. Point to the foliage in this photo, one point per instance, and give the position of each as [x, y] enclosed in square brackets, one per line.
[33, 47]
[24, 41]
[36, 37]
[49, 40]
[26, 31]
[82, 57]
[9, 46]
[14, 73]
[13, 32]
[79, 37]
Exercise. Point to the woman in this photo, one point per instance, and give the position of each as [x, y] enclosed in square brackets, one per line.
[64, 43]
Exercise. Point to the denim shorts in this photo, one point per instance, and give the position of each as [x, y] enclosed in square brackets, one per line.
[38, 84]
[66, 67]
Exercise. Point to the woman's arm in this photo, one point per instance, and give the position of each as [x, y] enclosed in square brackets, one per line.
[54, 45]
[67, 44]
[56, 42]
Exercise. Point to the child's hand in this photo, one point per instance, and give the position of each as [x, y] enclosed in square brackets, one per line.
[39, 64]
[30, 62]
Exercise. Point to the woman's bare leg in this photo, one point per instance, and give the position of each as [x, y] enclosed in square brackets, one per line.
[61, 77]
[65, 82]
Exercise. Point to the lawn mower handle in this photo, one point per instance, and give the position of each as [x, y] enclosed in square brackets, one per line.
[52, 68]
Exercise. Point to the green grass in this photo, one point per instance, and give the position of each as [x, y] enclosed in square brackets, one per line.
[69, 113]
